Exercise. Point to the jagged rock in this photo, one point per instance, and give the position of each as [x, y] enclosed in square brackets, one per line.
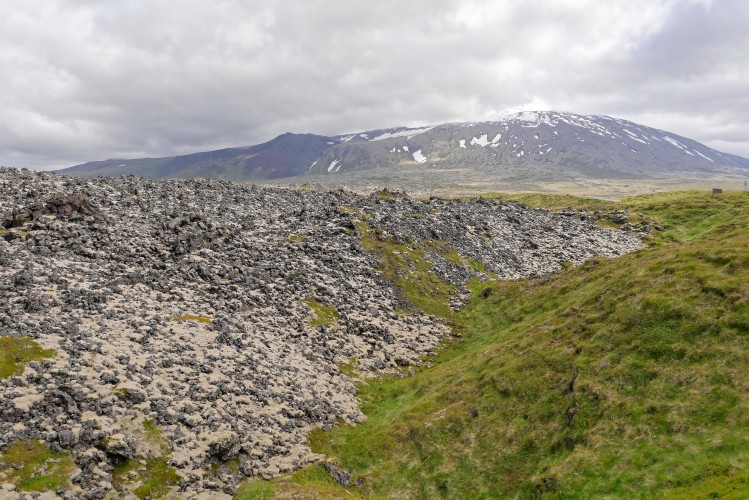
[224, 445]
[66, 205]
[67, 438]
[339, 475]
[117, 444]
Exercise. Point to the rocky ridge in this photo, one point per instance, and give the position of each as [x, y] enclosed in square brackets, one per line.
[190, 306]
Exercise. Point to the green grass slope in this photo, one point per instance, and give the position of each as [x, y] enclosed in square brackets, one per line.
[623, 378]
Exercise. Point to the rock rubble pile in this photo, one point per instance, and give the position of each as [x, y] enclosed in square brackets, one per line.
[228, 316]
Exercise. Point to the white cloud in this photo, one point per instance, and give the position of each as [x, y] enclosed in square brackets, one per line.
[88, 80]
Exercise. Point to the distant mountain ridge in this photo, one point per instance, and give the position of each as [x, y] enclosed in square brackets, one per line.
[529, 144]
[287, 155]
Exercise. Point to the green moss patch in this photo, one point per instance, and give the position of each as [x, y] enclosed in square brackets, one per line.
[386, 194]
[606, 223]
[191, 317]
[469, 263]
[153, 435]
[349, 367]
[310, 482]
[149, 478]
[121, 393]
[407, 267]
[725, 487]
[256, 489]
[217, 468]
[151, 429]
[17, 352]
[32, 466]
[232, 466]
[321, 314]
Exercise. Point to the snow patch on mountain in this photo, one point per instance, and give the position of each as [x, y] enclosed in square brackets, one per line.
[634, 137]
[674, 142]
[705, 157]
[532, 118]
[481, 141]
[408, 133]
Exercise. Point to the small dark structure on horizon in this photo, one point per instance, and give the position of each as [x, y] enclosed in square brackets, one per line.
[717, 191]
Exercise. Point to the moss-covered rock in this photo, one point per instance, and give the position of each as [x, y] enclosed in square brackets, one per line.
[17, 352]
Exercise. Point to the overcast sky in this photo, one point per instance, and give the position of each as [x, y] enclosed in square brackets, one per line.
[86, 79]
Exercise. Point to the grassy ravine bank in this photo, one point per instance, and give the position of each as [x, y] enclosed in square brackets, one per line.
[624, 377]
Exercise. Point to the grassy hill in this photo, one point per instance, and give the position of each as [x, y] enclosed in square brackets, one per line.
[624, 377]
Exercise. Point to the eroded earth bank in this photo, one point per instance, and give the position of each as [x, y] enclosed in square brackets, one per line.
[152, 330]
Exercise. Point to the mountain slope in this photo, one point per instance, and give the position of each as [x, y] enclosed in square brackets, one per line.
[532, 144]
[624, 378]
[287, 155]
[527, 145]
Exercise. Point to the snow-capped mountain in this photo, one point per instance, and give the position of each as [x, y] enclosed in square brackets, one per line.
[562, 143]
[539, 144]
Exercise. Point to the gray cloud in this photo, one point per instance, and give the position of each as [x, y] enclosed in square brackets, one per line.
[82, 80]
